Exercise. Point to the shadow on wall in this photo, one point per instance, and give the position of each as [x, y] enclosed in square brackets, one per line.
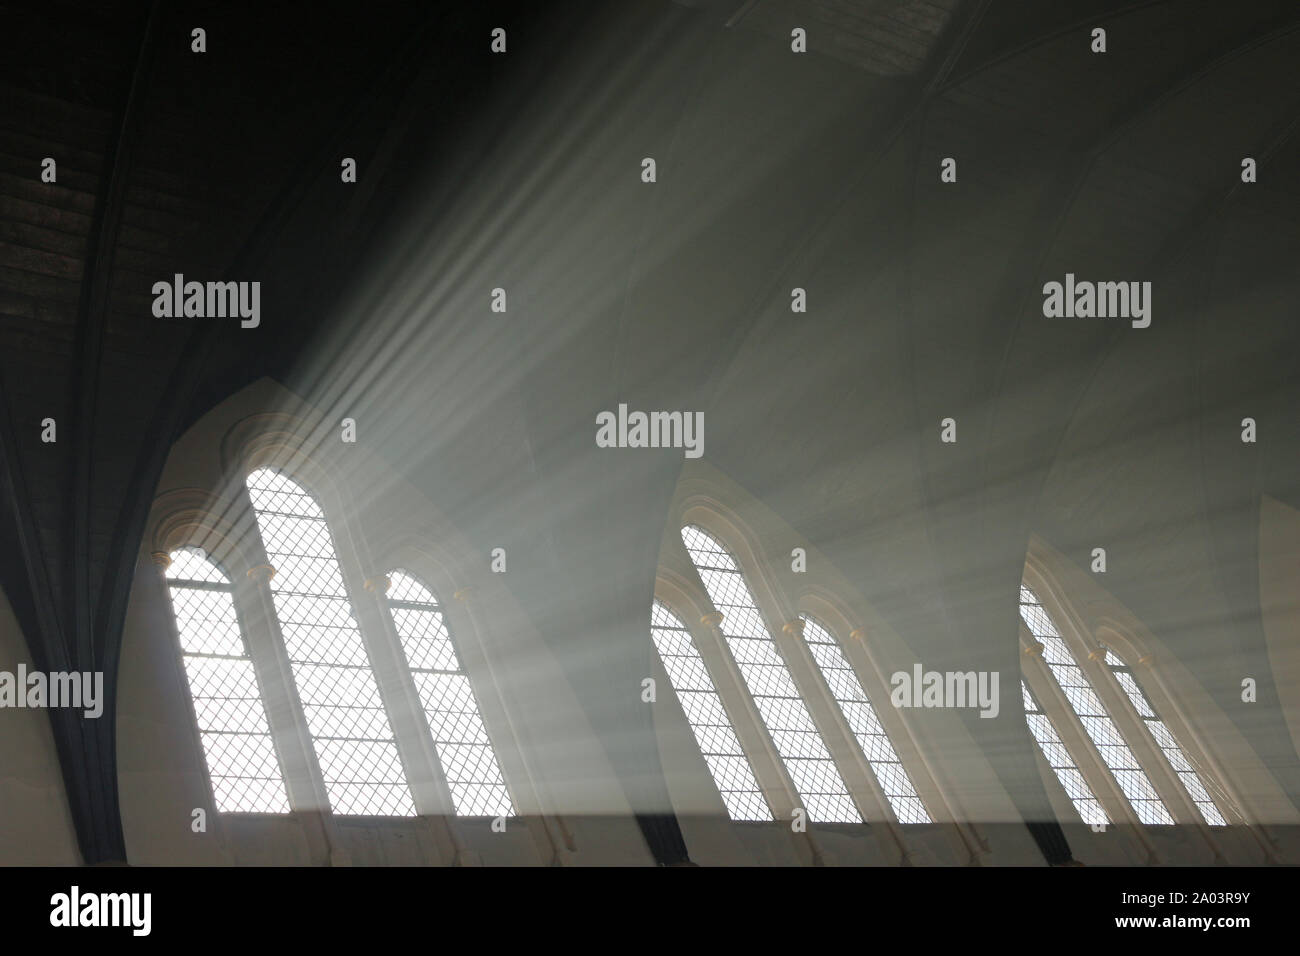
[37, 828]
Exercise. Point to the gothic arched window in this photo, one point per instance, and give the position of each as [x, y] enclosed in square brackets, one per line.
[817, 780]
[1062, 763]
[1168, 746]
[355, 747]
[708, 717]
[469, 763]
[1092, 714]
[242, 762]
[851, 697]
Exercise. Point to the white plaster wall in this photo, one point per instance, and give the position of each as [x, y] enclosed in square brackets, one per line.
[35, 825]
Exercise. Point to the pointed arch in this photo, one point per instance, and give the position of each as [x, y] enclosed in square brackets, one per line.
[355, 747]
[468, 760]
[813, 772]
[1168, 747]
[1092, 714]
[851, 697]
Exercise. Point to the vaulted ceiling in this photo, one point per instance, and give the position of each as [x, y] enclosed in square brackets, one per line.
[774, 170]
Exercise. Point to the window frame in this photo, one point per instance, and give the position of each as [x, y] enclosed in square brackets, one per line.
[770, 607]
[425, 553]
[678, 584]
[1052, 772]
[464, 670]
[357, 591]
[1069, 728]
[162, 561]
[872, 779]
[1141, 720]
[1088, 651]
[1143, 664]
[745, 725]
[224, 525]
[929, 778]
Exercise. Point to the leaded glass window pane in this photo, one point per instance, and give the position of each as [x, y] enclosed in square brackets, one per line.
[469, 763]
[705, 712]
[861, 717]
[825, 796]
[1062, 764]
[1178, 761]
[1092, 714]
[355, 747]
[241, 758]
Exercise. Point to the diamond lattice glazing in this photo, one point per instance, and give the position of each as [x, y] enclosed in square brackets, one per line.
[237, 747]
[708, 717]
[861, 716]
[1092, 714]
[1062, 764]
[1173, 753]
[355, 746]
[468, 761]
[814, 774]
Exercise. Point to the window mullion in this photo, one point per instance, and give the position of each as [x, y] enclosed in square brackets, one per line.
[161, 560]
[835, 731]
[397, 689]
[1099, 777]
[1057, 707]
[1172, 714]
[778, 787]
[1157, 768]
[1148, 752]
[302, 774]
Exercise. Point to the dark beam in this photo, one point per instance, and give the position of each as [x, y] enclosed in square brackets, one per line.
[100, 836]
